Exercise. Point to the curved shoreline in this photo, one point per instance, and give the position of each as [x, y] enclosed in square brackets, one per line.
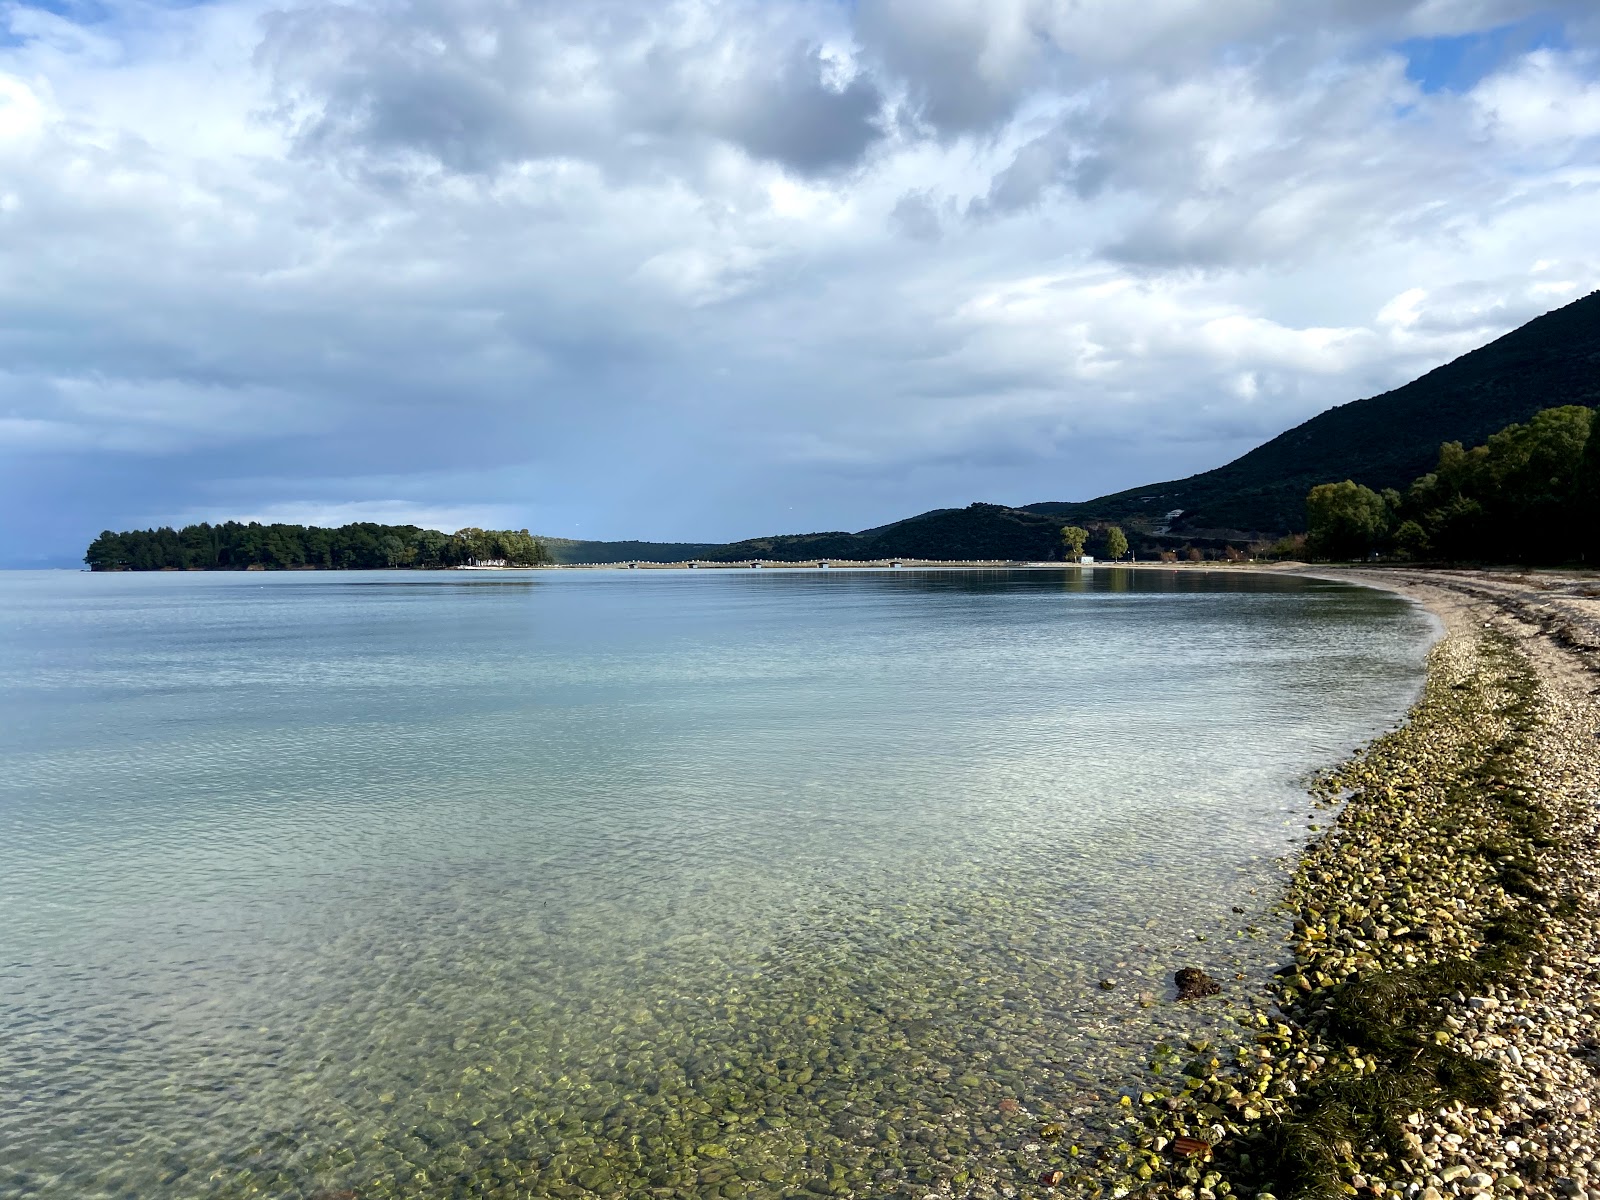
[1545, 1034]
[1438, 1030]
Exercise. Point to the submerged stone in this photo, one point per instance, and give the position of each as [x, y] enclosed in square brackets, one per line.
[1193, 984]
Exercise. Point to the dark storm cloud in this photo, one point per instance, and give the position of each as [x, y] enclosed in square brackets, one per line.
[794, 118]
[966, 65]
[1070, 156]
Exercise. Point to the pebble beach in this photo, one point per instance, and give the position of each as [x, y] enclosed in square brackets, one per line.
[1436, 1029]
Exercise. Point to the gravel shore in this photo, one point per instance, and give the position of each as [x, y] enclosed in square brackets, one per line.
[1437, 1031]
[1542, 1027]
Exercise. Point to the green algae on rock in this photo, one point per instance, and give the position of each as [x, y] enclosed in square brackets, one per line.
[1431, 887]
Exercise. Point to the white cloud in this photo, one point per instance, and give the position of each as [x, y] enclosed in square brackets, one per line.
[662, 270]
[1544, 100]
[22, 113]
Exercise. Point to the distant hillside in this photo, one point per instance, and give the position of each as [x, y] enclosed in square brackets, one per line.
[980, 531]
[1383, 441]
[569, 550]
[976, 532]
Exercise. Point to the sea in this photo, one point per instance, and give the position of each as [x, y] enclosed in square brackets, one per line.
[640, 883]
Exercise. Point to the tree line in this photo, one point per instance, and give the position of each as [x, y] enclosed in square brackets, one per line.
[233, 546]
[1530, 494]
[1113, 543]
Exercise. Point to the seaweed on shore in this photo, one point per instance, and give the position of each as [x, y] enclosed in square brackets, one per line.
[1427, 890]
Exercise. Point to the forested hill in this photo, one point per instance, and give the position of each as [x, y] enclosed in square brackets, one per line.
[1383, 441]
[979, 531]
[237, 546]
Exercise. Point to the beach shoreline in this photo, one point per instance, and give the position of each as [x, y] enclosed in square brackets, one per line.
[1437, 1032]
[1553, 619]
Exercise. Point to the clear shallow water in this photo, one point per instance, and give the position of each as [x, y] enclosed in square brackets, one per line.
[728, 883]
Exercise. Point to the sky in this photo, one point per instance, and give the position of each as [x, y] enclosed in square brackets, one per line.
[711, 269]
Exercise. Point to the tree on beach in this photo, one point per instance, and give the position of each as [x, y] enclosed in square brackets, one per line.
[393, 551]
[1515, 496]
[1346, 520]
[520, 548]
[1073, 539]
[1586, 494]
[1411, 540]
[1116, 543]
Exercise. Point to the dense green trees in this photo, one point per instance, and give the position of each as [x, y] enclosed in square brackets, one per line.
[1513, 498]
[233, 546]
[1073, 539]
[1345, 520]
[1530, 494]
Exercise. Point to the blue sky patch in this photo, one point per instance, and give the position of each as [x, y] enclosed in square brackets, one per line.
[80, 12]
[1456, 64]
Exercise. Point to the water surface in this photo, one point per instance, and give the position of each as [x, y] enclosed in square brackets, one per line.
[650, 883]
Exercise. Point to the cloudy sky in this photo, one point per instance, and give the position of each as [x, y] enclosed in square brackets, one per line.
[685, 269]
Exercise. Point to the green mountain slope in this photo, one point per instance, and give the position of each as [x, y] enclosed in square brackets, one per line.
[984, 531]
[1383, 441]
[980, 531]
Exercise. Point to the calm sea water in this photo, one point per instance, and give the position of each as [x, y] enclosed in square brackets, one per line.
[634, 883]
